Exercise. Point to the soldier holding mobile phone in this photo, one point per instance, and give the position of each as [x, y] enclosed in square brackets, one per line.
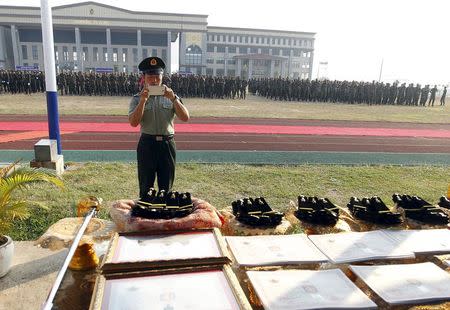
[154, 108]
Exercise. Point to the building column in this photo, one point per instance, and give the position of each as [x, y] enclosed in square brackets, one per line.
[15, 46]
[182, 53]
[250, 68]
[272, 67]
[80, 62]
[282, 68]
[225, 68]
[311, 59]
[2, 48]
[168, 53]
[204, 52]
[291, 54]
[239, 68]
[139, 46]
[108, 45]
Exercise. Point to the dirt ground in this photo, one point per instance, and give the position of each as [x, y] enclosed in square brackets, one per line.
[253, 106]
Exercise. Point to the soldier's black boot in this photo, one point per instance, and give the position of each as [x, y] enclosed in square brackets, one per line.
[317, 210]
[444, 202]
[418, 209]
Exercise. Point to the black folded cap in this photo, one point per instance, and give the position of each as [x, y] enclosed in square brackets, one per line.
[152, 65]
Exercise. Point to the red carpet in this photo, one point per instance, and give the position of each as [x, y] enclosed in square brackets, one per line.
[233, 128]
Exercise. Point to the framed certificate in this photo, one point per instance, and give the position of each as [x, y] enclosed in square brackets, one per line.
[141, 251]
[360, 246]
[422, 241]
[306, 289]
[274, 250]
[199, 288]
[406, 283]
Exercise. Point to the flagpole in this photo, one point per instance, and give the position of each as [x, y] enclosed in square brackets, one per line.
[381, 69]
[50, 74]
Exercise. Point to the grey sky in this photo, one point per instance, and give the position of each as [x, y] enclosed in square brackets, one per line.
[352, 36]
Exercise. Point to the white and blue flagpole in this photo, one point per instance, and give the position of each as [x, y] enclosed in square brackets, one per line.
[50, 73]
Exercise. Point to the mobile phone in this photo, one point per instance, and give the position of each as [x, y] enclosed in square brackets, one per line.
[156, 90]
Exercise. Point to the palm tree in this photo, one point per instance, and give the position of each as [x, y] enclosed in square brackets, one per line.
[12, 179]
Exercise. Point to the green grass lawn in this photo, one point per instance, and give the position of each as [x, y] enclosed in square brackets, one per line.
[251, 107]
[221, 184]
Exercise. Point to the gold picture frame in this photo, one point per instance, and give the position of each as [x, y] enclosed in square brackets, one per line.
[210, 287]
[130, 252]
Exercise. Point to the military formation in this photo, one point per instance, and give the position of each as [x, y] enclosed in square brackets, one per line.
[121, 84]
[21, 82]
[345, 92]
[199, 86]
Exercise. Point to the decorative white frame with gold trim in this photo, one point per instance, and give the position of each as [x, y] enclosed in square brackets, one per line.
[103, 289]
[114, 263]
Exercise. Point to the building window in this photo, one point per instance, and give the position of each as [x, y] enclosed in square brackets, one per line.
[209, 37]
[144, 53]
[135, 55]
[209, 71]
[85, 53]
[115, 56]
[95, 53]
[105, 54]
[65, 53]
[253, 50]
[220, 72]
[220, 49]
[232, 49]
[210, 61]
[124, 55]
[231, 62]
[36, 65]
[24, 52]
[34, 52]
[265, 50]
[220, 61]
[210, 48]
[193, 55]
[154, 52]
[74, 53]
[231, 73]
[286, 52]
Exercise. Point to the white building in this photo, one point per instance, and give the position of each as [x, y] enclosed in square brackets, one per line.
[94, 36]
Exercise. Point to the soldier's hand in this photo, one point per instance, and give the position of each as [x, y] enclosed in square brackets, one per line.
[144, 93]
[168, 93]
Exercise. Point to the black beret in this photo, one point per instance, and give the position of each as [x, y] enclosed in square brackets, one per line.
[152, 65]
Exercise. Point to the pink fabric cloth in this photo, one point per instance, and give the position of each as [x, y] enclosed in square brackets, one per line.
[204, 215]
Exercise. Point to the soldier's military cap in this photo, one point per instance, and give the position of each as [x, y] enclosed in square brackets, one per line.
[152, 65]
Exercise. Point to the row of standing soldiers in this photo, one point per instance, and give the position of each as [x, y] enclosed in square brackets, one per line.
[21, 82]
[208, 86]
[121, 84]
[345, 92]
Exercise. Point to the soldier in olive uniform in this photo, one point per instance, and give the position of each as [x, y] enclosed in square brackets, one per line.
[156, 152]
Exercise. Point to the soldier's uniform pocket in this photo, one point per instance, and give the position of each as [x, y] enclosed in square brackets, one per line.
[167, 105]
